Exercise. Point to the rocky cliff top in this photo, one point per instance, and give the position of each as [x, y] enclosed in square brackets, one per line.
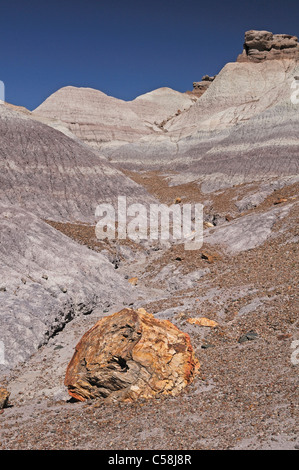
[264, 45]
[200, 87]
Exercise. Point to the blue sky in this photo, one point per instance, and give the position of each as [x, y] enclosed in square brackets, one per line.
[125, 48]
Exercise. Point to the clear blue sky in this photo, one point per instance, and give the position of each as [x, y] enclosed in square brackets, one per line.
[125, 48]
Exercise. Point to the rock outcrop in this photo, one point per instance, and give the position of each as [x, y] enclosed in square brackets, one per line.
[264, 45]
[131, 355]
[4, 396]
[202, 321]
[200, 87]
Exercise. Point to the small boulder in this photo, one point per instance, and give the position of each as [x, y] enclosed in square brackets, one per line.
[202, 322]
[133, 281]
[280, 201]
[250, 336]
[4, 396]
[210, 257]
[131, 355]
[208, 224]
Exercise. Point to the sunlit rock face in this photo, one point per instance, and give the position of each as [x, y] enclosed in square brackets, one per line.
[264, 45]
[131, 355]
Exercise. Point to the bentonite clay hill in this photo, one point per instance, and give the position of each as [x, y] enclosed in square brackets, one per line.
[103, 121]
[53, 175]
[242, 128]
[95, 333]
[46, 281]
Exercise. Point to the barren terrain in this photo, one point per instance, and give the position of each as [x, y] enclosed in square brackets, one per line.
[246, 395]
[234, 149]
